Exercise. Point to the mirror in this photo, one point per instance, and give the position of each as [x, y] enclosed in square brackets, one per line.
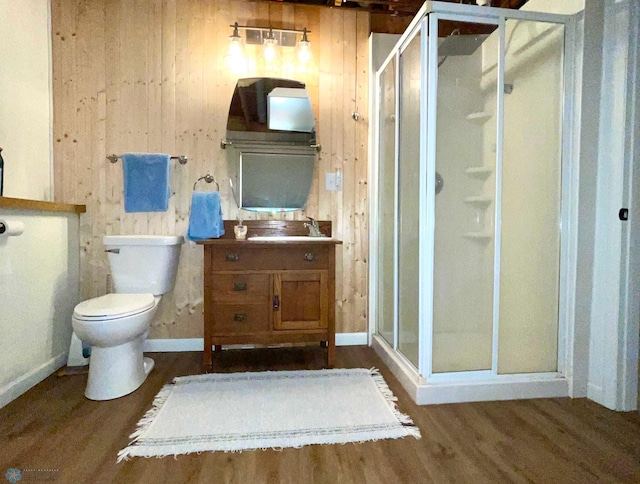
[271, 144]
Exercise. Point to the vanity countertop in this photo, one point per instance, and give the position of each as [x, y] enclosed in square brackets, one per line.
[274, 232]
[292, 241]
[26, 204]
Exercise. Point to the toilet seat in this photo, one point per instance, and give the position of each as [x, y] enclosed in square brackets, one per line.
[113, 306]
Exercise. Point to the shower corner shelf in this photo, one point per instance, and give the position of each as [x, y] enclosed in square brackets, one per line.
[478, 201]
[479, 236]
[480, 172]
[479, 117]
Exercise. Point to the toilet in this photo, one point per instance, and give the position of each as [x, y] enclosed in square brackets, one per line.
[143, 268]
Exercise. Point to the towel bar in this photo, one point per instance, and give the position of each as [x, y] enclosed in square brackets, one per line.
[182, 159]
[208, 178]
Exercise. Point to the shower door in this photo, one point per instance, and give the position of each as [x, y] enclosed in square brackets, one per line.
[385, 289]
[465, 159]
[409, 189]
[401, 183]
[496, 243]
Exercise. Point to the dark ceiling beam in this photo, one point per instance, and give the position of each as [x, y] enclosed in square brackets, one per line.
[394, 16]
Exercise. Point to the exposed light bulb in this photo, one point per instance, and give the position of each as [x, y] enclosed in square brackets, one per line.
[304, 51]
[270, 52]
[304, 55]
[235, 58]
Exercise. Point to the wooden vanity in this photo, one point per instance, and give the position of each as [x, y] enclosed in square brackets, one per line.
[269, 291]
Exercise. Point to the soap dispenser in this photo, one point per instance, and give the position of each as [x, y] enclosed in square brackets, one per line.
[240, 230]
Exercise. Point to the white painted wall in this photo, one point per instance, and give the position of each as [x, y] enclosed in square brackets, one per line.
[39, 272]
[563, 7]
[25, 98]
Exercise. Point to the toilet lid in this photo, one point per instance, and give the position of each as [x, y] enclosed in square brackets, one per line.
[114, 305]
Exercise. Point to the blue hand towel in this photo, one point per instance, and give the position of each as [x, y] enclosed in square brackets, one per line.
[205, 219]
[146, 182]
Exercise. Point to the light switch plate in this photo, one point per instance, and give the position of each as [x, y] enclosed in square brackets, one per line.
[334, 181]
[331, 182]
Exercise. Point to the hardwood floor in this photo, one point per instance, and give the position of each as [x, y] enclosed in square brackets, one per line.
[53, 431]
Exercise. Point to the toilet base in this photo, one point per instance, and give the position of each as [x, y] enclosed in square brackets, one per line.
[117, 371]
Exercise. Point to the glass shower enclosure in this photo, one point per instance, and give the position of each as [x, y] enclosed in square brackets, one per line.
[470, 182]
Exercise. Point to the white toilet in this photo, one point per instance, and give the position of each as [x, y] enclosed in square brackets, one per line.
[143, 268]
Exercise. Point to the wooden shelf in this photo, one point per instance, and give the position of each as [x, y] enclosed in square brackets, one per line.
[26, 204]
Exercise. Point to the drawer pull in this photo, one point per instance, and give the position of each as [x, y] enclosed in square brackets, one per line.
[232, 257]
[240, 286]
[309, 256]
[240, 316]
[276, 302]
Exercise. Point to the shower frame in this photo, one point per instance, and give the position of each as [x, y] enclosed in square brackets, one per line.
[423, 385]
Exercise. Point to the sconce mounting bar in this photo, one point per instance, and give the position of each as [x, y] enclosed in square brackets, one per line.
[255, 27]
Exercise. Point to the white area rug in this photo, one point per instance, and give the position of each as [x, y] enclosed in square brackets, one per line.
[273, 409]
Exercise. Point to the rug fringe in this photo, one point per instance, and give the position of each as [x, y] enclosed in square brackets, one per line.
[391, 399]
[146, 421]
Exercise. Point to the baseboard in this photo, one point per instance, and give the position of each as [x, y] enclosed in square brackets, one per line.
[173, 345]
[598, 395]
[352, 339]
[197, 344]
[14, 389]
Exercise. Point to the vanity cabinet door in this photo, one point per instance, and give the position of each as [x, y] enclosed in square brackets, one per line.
[300, 300]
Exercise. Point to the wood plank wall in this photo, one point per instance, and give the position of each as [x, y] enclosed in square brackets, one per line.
[149, 75]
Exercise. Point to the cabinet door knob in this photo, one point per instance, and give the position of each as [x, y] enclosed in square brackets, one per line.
[232, 257]
[309, 256]
[240, 316]
[276, 302]
[240, 286]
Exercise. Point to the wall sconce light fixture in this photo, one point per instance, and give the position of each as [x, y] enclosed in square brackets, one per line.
[272, 40]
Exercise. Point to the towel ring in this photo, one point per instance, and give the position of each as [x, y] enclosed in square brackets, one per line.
[207, 178]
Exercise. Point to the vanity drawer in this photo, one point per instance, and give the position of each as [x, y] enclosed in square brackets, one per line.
[294, 257]
[241, 288]
[241, 318]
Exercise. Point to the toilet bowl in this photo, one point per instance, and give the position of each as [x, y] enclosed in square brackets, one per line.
[116, 325]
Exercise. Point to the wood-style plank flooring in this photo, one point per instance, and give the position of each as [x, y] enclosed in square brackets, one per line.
[53, 427]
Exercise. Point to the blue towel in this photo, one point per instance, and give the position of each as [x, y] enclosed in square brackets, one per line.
[146, 182]
[205, 220]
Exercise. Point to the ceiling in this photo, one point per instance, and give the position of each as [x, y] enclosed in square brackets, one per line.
[395, 7]
[391, 16]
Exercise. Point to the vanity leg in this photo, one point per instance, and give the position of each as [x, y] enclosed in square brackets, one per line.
[207, 357]
[331, 352]
[217, 348]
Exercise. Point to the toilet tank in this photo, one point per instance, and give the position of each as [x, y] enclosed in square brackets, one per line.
[143, 263]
